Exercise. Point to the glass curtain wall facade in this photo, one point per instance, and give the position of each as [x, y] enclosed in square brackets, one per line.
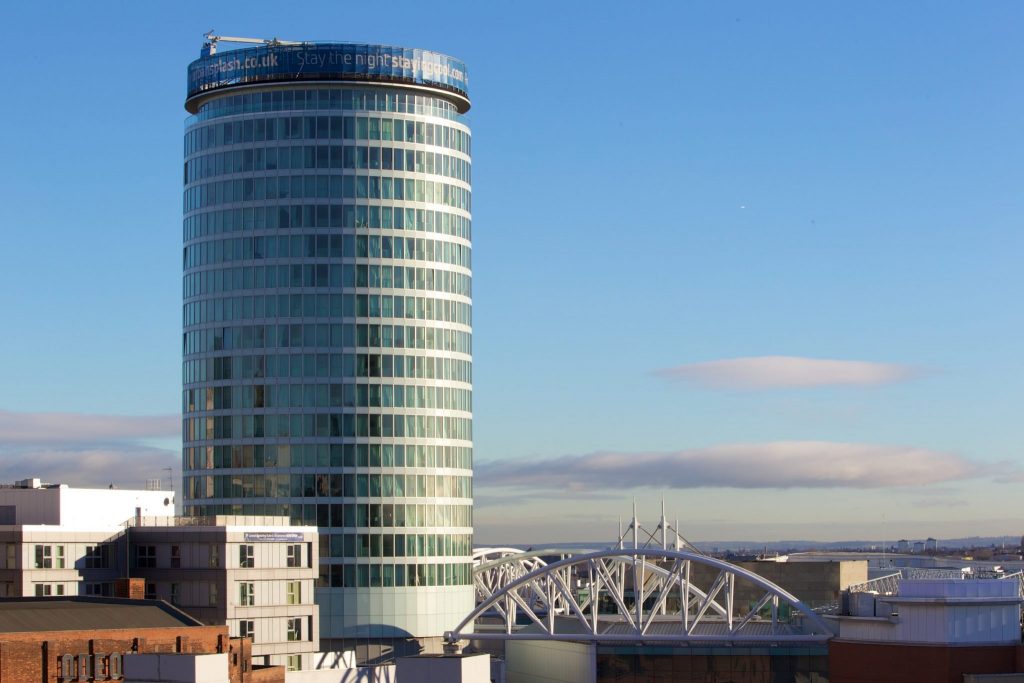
[328, 326]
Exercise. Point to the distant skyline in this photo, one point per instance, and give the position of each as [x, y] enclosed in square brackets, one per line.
[762, 261]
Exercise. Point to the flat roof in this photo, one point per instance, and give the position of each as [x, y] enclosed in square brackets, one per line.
[79, 613]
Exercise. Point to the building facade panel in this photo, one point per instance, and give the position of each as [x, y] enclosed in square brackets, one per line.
[43, 561]
[256, 575]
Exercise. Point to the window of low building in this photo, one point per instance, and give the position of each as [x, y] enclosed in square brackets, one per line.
[246, 556]
[247, 629]
[213, 559]
[295, 555]
[44, 557]
[145, 556]
[246, 593]
[295, 628]
[213, 596]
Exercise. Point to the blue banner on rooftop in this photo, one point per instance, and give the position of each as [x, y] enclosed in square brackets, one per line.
[328, 62]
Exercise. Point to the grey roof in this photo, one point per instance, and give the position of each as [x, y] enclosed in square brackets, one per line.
[20, 615]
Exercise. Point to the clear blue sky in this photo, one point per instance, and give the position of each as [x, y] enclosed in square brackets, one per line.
[657, 186]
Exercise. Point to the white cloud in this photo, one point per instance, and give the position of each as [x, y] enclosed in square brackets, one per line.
[944, 503]
[786, 372]
[89, 465]
[783, 464]
[86, 450]
[61, 427]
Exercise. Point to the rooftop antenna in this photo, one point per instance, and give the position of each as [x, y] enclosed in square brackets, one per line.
[883, 539]
[663, 525]
[636, 527]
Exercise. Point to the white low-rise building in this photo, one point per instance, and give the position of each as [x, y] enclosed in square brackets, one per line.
[254, 574]
[936, 612]
[58, 540]
[41, 560]
[32, 501]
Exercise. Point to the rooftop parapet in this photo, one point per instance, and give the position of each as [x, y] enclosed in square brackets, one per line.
[307, 61]
[210, 521]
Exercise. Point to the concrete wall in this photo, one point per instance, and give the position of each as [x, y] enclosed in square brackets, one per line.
[852, 572]
[538, 661]
[321, 676]
[366, 674]
[146, 668]
[84, 508]
[98, 508]
[445, 669]
[813, 583]
[33, 506]
[342, 659]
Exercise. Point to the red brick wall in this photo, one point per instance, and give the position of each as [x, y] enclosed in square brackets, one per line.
[852, 662]
[133, 589]
[268, 674]
[33, 657]
[240, 661]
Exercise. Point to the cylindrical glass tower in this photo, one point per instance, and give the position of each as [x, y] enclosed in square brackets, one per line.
[327, 319]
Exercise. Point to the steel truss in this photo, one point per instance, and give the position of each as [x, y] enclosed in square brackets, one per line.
[638, 594]
[497, 567]
[882, 585]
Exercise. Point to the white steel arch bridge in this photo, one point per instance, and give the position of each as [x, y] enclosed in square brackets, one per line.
[649, 592]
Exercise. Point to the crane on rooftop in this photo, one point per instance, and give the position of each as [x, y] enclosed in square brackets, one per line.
[210, 46]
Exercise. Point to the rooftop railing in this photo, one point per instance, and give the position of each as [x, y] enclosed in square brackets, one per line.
[211, 520]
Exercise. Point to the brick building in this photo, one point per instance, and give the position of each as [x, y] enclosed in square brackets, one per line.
[59, 640]
[254, 574]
